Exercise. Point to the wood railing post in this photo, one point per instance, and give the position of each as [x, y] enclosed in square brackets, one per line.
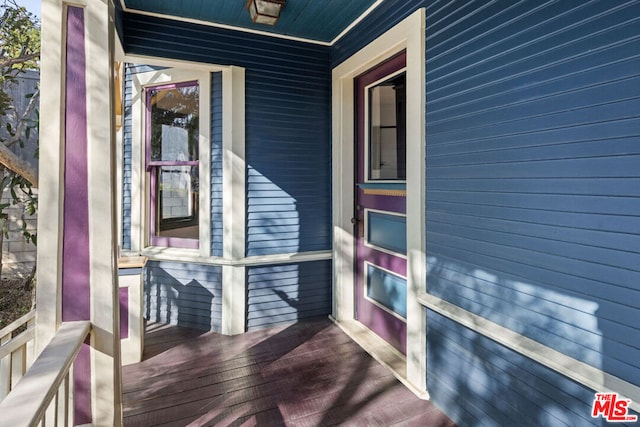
[18, 365]
[37, 399]
[5, 370]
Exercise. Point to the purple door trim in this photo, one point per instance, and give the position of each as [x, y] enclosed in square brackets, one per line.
[123, 297]
[76, 289]
[388, 326]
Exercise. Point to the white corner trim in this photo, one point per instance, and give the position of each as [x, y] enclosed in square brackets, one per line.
[204, 171]
[342, 183]
[52, 107]
[416, 194]
[580, 372]
[234, 282]
[234, 299]
[233, 163]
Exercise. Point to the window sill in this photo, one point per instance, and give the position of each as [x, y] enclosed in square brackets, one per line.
[172, 254]
[155, 253]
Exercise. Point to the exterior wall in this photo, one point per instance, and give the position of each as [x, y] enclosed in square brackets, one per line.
[532, 201]
[288, 163]
[183, 294]
[479, 382]
[287, 125]
[287, 293]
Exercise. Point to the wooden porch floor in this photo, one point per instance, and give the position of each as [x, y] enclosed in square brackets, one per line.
[307, 374]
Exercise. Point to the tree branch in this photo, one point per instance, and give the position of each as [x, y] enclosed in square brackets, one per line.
[17, 165]
[13, 61]
[22, 119]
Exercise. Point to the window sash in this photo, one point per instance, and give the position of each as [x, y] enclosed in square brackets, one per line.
[154, 167]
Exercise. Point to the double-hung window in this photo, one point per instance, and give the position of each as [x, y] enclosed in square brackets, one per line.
[173, 163]
[184, 117]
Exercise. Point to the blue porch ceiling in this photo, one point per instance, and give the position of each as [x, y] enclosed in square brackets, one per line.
[316, 20]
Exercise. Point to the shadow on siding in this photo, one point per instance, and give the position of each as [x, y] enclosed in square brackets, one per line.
[169, 301]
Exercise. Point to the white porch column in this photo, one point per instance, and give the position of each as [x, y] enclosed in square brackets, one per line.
[77, 276]
[234, 284]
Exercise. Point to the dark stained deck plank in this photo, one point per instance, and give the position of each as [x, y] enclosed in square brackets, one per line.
[306, 374]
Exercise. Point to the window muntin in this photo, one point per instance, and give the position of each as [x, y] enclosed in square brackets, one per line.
[387, 130]
[173, 131]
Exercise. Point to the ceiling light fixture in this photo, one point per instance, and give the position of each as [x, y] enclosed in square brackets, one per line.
[265, 11]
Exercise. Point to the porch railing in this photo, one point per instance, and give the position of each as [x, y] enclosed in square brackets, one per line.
[16, 351]
[44, 395]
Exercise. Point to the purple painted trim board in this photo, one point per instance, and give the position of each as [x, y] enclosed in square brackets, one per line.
[76, 291]
[124, 312]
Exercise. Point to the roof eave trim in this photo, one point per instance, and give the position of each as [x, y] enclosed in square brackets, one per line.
[250, 30]
[224, 26]
[356, 21]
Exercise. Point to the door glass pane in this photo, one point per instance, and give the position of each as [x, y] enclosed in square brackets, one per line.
[387, 135]
[174, 123]
[176, 201]
[387, 289]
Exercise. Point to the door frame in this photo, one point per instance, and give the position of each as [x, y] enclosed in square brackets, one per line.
[407, 35]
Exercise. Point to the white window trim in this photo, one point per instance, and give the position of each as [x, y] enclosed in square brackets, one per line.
[233, 178]
[140, 179]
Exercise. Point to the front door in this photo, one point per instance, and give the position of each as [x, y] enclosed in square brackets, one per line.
[380, 197]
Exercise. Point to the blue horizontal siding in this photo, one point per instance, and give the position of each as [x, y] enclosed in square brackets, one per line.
[288, 293]
[533, 194]
[183, 294]
[381, 19]
[216, 164]
[476, 381]
[127, 143]
[127, 172]
[288, 125]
